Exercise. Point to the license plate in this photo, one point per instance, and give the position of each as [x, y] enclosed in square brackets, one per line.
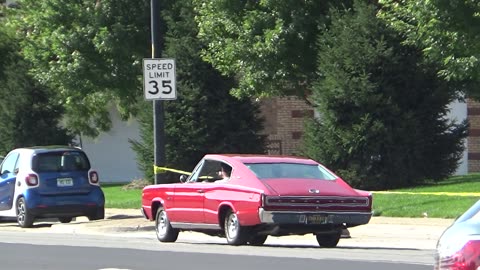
[316, 219]
[64, 182]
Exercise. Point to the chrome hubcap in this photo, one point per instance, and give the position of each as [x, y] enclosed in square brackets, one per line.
[232, 226]
[21, 212]
[162, 223]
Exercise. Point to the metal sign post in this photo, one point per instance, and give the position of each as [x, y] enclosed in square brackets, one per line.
[158, 111]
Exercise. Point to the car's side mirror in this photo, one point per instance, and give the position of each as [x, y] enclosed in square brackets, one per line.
[183, 178]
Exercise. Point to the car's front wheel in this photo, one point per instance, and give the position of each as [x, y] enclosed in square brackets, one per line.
[165, 231]
[329, 240]
[234, 232]
[24, 218]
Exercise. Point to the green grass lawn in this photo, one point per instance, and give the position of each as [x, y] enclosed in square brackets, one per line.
[440, 206]
[390, 205]
[117, 197]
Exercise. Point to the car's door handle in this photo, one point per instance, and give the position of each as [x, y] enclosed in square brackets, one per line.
[200, 191]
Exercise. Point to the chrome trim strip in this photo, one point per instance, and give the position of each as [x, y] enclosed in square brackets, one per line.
[187, 226]
[364, 201]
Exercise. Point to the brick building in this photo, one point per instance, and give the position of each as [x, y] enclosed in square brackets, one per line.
[473, 113]
[284, 123]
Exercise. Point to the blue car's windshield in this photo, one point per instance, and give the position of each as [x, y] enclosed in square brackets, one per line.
[290, 170]
[60, 161]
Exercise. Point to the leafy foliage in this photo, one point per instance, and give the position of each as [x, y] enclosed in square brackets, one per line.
[268, 45]
[448, 31]
[89, 51]
[205, 118]
[27, 115]
[383, 109]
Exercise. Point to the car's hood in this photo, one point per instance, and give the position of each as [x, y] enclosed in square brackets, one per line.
[309, 187]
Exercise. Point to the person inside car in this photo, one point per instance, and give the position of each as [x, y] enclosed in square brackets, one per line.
[225, 172]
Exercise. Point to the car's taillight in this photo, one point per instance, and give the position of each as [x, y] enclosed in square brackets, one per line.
[31, 180]
[467, 258]
[93, 177]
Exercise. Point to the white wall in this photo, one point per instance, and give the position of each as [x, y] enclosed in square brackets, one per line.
[458, 113]
[111, 155]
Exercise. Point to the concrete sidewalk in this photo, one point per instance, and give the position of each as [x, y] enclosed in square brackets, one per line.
[381, 232]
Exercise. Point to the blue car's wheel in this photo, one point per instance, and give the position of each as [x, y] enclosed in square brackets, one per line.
[24, 218]
[65, 219]
[99, 214]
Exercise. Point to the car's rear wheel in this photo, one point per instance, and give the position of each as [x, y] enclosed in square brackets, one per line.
[234, 232]
[329, 240]
[65, 219]
[24, 218]
[99, 214]
[257, 240]
[165, 231]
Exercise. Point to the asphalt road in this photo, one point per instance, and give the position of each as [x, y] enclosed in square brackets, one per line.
[59, 257]
[126, 241]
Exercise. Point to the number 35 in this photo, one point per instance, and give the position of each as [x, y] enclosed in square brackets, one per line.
[166, 86]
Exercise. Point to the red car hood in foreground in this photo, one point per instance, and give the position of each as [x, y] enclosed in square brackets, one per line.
[309, 187]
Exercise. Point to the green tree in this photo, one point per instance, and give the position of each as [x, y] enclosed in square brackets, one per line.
[205, 118]
[90, 52]
[383, 109]
[448, 31]
[28, 115]
[268, 45]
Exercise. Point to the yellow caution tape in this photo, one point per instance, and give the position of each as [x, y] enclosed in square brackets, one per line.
[463, 194]
[157, 170]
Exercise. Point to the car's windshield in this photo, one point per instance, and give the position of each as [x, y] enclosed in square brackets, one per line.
[60, 161]
[290, 170]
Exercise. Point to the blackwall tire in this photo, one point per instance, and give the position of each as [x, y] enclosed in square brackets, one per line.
[235, 233]
[257, 240]
[99, 214]
[329, 240]
[65, 219]
[24, 218]
[163, 228]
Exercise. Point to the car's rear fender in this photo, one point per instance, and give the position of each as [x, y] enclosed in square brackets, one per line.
[247, 212]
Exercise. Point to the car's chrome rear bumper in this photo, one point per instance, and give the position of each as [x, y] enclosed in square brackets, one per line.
[297, 217]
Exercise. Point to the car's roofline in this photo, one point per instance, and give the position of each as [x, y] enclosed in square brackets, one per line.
[49, 148]
[259, 158]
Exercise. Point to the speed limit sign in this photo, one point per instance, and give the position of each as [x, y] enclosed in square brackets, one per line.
[159, 81]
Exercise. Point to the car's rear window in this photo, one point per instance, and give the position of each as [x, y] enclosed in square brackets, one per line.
[290, 170]
[60, 161]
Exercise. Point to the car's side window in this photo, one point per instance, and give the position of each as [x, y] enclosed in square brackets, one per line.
[207, 172]
[196, 172]
[9, 164]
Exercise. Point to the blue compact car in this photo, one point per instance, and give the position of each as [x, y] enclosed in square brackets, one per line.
[49, 182]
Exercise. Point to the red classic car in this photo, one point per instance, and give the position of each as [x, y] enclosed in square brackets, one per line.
[245, 198]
